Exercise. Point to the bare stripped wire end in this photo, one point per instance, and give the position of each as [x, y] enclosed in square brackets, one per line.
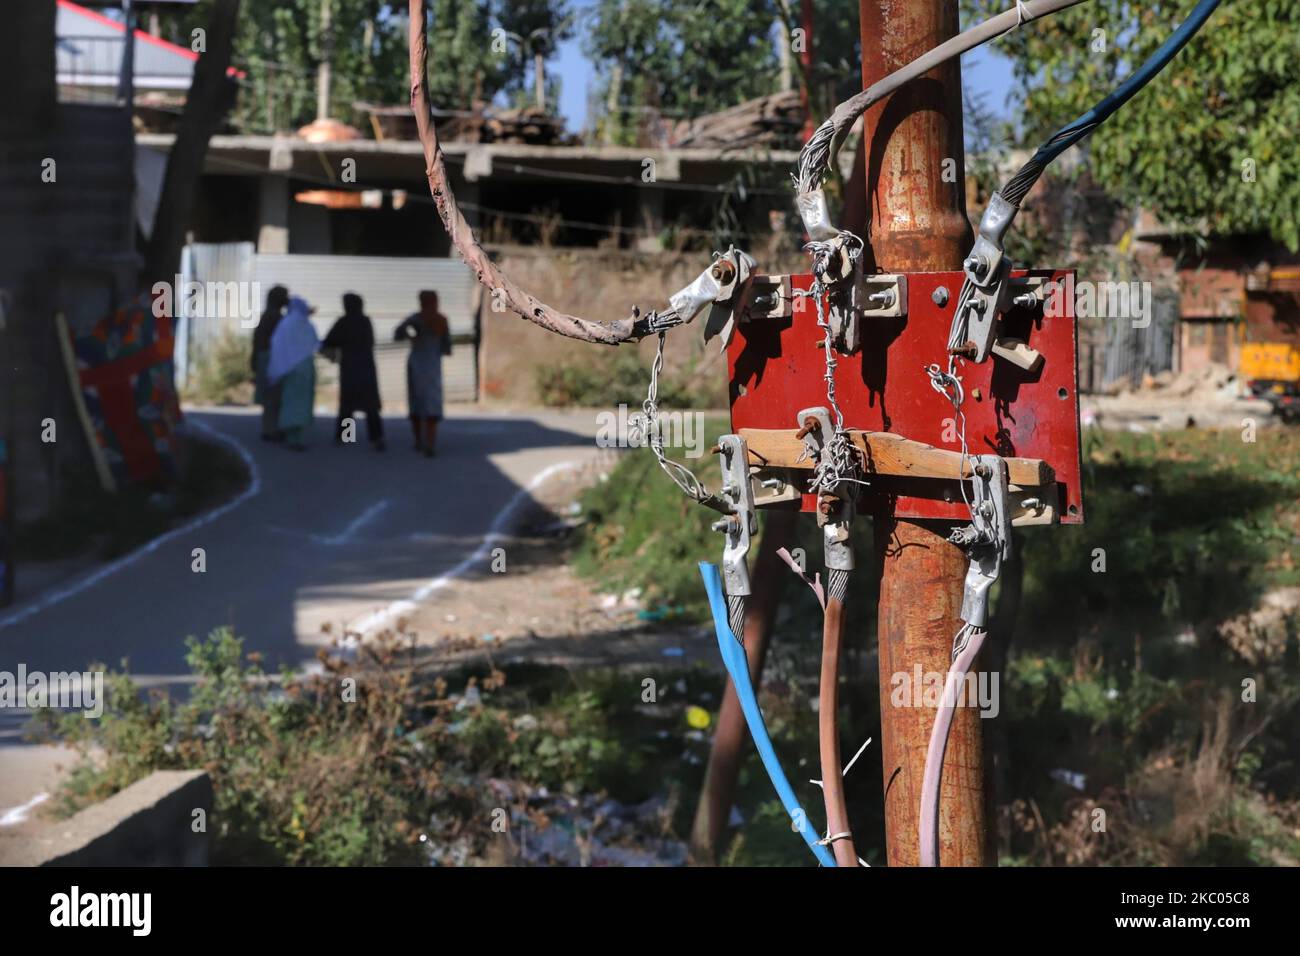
[816, 157]
[818, 154]
[983, 292]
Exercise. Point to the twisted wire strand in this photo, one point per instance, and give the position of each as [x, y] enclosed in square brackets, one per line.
[736, 615]
[837, 584]
[840, 461]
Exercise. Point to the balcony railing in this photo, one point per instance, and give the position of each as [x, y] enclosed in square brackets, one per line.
[90, 69]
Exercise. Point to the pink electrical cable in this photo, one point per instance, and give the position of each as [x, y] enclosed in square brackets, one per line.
[934, 754]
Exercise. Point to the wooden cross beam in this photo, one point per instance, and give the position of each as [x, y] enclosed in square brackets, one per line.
[885, 454]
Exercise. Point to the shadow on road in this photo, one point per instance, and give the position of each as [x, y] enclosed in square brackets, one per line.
[334, 534]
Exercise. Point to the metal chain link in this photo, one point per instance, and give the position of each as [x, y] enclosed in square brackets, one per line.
[682, 476]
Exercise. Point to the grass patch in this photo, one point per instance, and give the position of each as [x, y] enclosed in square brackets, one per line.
[222, 373]
[1192, 526]
[620, 381]
[1121, 676]
[641, 531]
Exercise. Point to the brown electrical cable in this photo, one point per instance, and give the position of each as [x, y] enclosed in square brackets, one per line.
[462, 236]
[837, 814]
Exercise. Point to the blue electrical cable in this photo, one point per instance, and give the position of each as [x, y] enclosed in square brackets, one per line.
[1019, 185]
[737, 664]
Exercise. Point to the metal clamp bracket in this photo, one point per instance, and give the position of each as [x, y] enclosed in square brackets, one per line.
[883, 296]
[731, 272]
[742, 523]
[815, 429]
[717, 285]
[837, 262]
[834, 511]
[985, 293]
[987, 539]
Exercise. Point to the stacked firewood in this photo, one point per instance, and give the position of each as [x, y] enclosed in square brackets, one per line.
[772, 121]
[527, 125]
[480, 125]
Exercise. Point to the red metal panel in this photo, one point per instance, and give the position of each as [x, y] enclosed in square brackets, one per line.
[776, 367]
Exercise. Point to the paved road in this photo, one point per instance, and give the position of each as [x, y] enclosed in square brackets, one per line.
[337, 535]
[331, 537]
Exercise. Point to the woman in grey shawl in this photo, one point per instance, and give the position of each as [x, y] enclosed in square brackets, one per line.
[430, 338]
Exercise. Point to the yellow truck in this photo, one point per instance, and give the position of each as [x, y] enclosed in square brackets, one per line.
[1271, 370]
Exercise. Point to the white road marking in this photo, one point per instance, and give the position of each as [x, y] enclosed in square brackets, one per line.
[374, 621]
[57, 596]
[344, 536]
[16, 815]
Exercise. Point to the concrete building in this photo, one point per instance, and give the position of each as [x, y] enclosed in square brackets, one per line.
[257, 189]
[356, 215]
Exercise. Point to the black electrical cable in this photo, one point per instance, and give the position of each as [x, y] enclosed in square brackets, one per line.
[1019, 185]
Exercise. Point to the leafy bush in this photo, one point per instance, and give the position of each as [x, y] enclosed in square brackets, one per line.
[222, 373]
[306, 772]
[642, 532]
[369, 762]
[620, 381]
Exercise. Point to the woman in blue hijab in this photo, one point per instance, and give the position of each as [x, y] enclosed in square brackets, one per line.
[292, 367]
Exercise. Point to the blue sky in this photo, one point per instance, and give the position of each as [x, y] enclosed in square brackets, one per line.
[984, 72]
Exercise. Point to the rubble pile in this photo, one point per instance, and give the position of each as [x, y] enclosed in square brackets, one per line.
[1210, 396]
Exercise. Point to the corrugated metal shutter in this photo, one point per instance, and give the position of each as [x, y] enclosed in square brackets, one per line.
[390, 288]
[221, 263]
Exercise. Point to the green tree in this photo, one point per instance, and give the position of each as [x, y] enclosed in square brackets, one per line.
[280, 45]
[536, 28]
[836, 50]
[1211, 143]
[681, 58]
[467, 60]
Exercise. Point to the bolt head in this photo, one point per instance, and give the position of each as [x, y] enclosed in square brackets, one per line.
[940, 296]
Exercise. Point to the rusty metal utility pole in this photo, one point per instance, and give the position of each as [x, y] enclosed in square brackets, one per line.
[917, 207]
